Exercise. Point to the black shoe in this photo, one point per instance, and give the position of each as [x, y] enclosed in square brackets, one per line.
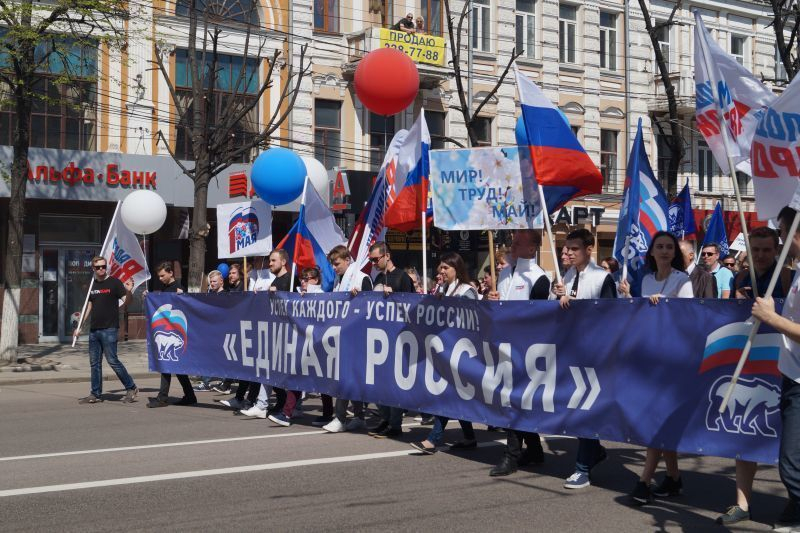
[464, 445]
[790, 513]
[422, 448]
[388, 433]
[641, 494]
[505, 467]
[668, 488]
[380, 428]
[155, 402]
[321, 421]
[186, 401]
[426, 421]
[531, 456]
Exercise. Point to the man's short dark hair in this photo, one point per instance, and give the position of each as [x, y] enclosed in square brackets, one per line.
[583, 235]
[339, 252]
[381, 247]
[166, 266]
[765, 232]
[535, 236]
[281, 253]
[235, 266]
[787, 217]
[713, 245]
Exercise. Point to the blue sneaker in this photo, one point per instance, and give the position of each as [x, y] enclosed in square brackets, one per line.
[280, 419]
[578, 480]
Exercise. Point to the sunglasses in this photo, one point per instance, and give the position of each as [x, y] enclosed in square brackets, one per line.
[100, 267]
[708, 254]
[729, 264]
[376, 259]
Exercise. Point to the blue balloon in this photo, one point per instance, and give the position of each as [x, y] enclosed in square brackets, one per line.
[224, 269]
[278, 175]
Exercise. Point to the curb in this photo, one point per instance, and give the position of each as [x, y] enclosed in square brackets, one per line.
[30, 380]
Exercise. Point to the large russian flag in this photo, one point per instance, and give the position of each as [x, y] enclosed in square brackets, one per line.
[408, 195]
[558, 158]
[313, 235]
[724, 347]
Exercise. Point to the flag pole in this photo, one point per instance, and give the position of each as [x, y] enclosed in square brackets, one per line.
[91, 282]
[245, 274]
[757, 323]
[723, 128]
[625, 259]
[492, 260]
[424, 253]
[294, 263]
[550, 237]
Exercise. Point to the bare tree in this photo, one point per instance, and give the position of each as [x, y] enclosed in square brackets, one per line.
[38, 42]
[218, 129]
[674, 141]
[786, 17]
[455, 34]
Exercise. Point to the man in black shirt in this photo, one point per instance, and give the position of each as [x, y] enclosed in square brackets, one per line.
[104, 295]
[235, 278]
[389, 279]
[166, 276]
[405, 24]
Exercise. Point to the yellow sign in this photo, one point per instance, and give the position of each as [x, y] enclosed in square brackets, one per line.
[419, 47]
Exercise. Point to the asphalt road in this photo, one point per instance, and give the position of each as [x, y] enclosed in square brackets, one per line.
[115, 466]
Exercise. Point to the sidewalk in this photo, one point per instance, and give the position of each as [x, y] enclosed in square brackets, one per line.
[44, 363]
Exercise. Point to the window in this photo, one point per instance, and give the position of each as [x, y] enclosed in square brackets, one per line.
[567, 28]
[236, 86]
[483, 131]
[576, 130]
[326, 15]
[231, 10]
[481, 25]
[663, 36]
[707, 167]
[381, 131]
[608, 158]
[436, 127]
[327, 132]
[780, 69]
[386, 11]
[431, 10]
[738, 47]
[526, 27]
[63, 112]
[608, 41]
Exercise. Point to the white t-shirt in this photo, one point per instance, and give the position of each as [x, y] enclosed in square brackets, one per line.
[789, 359]
[677, 285]
[260, 280]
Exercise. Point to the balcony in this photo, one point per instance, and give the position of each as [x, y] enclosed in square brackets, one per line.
[684, 93]
[430, 53]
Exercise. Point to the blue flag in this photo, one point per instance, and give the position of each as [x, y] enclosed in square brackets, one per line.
[715, 234]
[681, 215]
[643, 213]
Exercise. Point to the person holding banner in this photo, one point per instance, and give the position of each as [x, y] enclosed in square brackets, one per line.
[454, 276]
[349, 278]
[523, 280]
[665, 280]
[787, 323]
[586, 281]
[104, 299]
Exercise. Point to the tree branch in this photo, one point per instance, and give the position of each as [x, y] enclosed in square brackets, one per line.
[163, 139]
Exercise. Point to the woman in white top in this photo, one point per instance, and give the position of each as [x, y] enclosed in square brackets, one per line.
[452, 270]
[666, 280]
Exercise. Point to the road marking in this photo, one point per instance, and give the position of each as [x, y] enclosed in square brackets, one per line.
[173, 444]
[214, 472]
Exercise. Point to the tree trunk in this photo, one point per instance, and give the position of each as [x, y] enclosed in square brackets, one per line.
[9, 334]
[197, 237]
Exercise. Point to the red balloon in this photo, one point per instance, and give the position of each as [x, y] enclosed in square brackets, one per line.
[386, 81]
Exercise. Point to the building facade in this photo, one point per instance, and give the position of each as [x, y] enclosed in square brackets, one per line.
[593, 58]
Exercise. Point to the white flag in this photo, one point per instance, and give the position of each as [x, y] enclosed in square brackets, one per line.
[124, 255]
[244, 229]
[775, 153]
[741, 97]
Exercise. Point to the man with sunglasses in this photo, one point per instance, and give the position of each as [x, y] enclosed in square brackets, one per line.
[103, 313]
[724, 277]
[405, 24]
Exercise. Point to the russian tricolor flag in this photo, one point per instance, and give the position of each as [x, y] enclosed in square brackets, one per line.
[407, 201]
[313, 235]
[724, 347]
[558, 158]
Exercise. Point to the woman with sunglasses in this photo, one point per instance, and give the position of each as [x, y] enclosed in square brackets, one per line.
[455, 284]
[666, 279]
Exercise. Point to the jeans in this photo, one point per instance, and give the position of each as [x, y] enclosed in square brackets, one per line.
[789, 456]
[104, 341]
[439, 423]
[186, 385]
[341, 410]
[590, 453]
[392, 416]
[263, 397]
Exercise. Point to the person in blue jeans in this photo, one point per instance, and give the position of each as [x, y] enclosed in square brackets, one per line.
[584, 280]
[103, 312]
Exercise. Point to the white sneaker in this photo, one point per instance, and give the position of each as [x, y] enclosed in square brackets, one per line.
[334, 426]
[356, 424]
[255, 412]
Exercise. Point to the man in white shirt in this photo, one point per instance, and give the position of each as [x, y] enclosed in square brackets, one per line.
[788, 323]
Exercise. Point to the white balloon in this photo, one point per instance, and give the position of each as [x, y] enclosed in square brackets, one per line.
[143, 212]
[318, 175]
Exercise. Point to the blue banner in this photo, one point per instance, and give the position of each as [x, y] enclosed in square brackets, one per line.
[619, 370]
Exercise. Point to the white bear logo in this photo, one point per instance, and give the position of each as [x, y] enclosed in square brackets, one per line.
[749, 409]
[169, 344]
